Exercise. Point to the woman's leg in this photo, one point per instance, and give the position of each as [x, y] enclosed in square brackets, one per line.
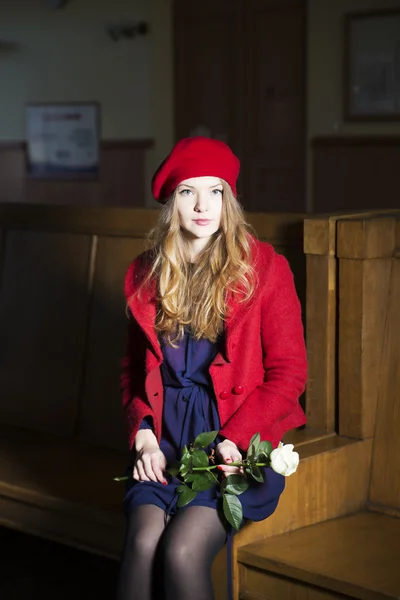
[145, 526]
[188, 547]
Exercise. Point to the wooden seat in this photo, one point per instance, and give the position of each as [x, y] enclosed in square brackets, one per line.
[350, 557]
[66, 486]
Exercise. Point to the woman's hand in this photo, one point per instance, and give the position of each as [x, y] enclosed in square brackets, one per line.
[228, 452]
[150, 461]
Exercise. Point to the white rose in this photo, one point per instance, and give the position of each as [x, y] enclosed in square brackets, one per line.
[283, 460]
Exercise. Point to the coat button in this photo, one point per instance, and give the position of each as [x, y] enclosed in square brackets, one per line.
[238, 389]
[224, 395]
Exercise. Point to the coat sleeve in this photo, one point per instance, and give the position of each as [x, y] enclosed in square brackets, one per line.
[133, 373]
[274, 405]
[134, 403]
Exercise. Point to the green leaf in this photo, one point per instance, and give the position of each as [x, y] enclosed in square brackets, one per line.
[256, 473]
[186, 469]
[254, 444]
[235, 484]
[186, 495]
[203, 482]
[265, 448]
[199, 458]
[174, 469]
[232, 510]
[251, 454]
[205, 439]
[185, 456]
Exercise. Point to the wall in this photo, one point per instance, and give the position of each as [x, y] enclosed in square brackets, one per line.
[134, 80]
[66, 55]
[325, 73]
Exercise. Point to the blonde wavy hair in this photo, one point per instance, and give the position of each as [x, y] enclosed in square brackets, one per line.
[194, 295]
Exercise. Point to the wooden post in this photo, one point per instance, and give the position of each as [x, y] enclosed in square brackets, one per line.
[364, 248]
[320, 248]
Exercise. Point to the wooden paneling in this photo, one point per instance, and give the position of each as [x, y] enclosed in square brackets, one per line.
[363, 293]
[359, 304]
[367, 237]
[356, 556]
[261, 585]
[121, 181]
[83, 219]
[332, 480]
[249, 63]
[321, 342]
[385, 480]
[352, 173]
[12, 172]
[364, 247]
[105, 345]
[43, 306]
[274, 88]
[208, 64]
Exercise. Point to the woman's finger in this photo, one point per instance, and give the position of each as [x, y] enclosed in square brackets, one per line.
[155, 464]
[148, 468]
[231, 470]
[231, 457]
[141, 473]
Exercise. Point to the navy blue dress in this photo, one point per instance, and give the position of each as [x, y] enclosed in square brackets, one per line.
[190, 408]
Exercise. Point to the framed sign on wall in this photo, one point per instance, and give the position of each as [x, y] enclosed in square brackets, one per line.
[372, 66]
[63, 140]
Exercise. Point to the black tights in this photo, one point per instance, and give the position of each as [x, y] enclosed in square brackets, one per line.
[170, 561]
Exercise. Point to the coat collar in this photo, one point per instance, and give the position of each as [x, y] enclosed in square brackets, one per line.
[143, 308]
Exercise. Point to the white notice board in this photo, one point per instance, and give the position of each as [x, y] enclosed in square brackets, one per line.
[63, 140]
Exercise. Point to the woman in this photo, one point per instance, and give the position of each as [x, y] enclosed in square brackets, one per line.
[215, 343]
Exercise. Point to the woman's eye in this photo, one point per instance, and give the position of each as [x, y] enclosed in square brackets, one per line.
[216, 192]
[185, 192]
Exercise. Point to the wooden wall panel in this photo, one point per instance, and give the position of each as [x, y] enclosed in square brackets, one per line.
[102, 419]
[274, 117]
[43, 306]
[121, 181]
[355, 173]
[12, 172]
[385, 479]
[257, 47]
[217, 29]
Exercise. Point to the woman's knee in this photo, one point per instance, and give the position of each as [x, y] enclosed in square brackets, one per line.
[141, 544]
[178, 556]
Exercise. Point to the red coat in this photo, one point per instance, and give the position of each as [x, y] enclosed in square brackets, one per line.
[259, 374]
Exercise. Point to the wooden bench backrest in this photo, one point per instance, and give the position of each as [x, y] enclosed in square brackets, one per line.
[353, 326]
[62, 312]
[348, 261]
[369, 347]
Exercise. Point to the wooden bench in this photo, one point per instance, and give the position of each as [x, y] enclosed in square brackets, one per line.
[62, 336]
[355, 555]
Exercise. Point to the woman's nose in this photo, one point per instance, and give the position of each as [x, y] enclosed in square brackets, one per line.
[201, 204]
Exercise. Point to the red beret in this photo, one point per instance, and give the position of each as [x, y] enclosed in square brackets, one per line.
[195, 157]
